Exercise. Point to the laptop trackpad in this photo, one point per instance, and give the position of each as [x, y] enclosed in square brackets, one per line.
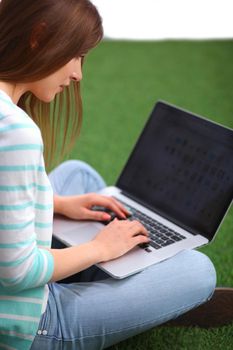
[78, 233]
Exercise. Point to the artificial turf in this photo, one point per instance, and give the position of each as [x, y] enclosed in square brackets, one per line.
[122, 81]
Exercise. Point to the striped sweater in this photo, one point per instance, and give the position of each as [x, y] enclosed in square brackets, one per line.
[26, 211]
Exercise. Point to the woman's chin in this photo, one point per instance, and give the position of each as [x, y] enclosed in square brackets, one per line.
[47, 98]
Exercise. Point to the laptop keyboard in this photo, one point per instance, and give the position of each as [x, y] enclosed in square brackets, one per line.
[160, 235]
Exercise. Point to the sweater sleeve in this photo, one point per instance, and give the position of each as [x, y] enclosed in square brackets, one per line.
[23, 264]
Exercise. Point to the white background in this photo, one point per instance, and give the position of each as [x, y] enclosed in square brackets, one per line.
[164, 19]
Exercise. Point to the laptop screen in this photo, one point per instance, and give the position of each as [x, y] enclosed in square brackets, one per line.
[181, 168]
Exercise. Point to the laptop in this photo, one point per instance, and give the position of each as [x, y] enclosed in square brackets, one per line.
[177, 181]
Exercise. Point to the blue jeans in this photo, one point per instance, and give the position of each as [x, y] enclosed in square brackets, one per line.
[99, 311]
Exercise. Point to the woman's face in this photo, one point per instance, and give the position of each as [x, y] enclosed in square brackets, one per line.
[46, 88]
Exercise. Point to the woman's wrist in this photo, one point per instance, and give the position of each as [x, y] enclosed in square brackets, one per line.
[58, 204]
[95, 252]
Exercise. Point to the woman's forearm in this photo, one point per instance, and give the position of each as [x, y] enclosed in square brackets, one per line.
[69, 261]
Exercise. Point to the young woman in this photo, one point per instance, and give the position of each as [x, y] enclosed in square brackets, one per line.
[42, 46]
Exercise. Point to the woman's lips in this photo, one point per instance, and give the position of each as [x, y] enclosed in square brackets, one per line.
[61, 87]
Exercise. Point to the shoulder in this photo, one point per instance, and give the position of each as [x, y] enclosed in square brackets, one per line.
[16, 125]
[21, 145]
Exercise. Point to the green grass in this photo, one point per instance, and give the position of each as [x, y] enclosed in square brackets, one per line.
[122, 81]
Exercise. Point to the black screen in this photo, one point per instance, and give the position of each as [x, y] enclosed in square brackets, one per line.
[182, 168]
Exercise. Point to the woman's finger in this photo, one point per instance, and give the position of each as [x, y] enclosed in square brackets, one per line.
[139, 239]
[96, 215]
[136, 227]
[113, 205]
[121, 206]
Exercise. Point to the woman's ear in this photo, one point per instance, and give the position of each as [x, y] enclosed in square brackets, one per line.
[37, 35]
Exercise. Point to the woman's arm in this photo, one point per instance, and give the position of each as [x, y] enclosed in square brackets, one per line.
[24, 264]
[68, 261]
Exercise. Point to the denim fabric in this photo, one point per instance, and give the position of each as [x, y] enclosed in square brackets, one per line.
[75, 177]
[99, 311]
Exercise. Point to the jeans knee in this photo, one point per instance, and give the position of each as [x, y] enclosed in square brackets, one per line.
[74, 164]
[208, 277]
[74, 177]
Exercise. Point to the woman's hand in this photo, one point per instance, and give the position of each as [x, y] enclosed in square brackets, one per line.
[118, 237]
[80, 207]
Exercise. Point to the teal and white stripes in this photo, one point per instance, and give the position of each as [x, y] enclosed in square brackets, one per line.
[15, 126]
[26, 213]
[25, 205]
[24, 168]
[21, 147]
[18, 188]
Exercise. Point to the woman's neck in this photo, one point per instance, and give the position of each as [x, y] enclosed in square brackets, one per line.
[14, 91]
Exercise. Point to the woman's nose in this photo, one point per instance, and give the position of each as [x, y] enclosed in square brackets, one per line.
[76, 76]
[77, 73]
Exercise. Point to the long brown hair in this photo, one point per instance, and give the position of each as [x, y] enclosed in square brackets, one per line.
[36, 39]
